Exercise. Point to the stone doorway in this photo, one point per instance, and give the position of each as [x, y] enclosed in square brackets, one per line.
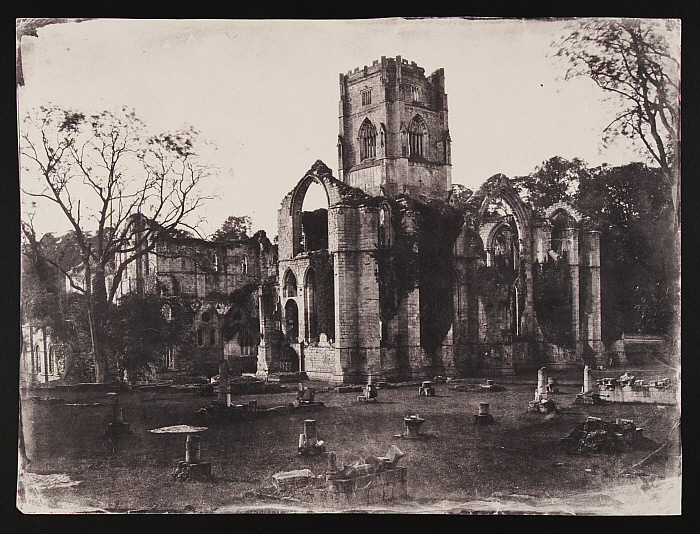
[289, 362]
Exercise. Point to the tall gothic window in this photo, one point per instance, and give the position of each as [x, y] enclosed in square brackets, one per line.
[366, 97]
[368, 140]
[417, 137]
[415, 93]
[246, 341]
[290, 285]
[384, 238]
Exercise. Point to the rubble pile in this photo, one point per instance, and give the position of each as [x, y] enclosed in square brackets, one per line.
[594, 434]
[374, 479]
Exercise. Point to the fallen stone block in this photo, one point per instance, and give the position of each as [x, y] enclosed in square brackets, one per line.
[293, 479]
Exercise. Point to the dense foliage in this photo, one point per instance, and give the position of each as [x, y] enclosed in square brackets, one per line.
[551, 285]
[631, 206]
[420, 255]
[322, 264]
[315, 227]
[139, 331]
[639, 276]
[233, 228]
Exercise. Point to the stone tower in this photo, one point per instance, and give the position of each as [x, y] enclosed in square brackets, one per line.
[394, 138]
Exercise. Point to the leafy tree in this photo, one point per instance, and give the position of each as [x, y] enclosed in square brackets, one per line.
[632, 206]
[460, 194]
[637, 62]
[102, 171]
[141, 329]
[556, 180]
[233, 228]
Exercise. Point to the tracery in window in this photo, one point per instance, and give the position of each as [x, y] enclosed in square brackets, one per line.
[417, 137]
[366, 97]
[368, 140]
[415, 93]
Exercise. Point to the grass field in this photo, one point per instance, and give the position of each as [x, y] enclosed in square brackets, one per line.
[514, 465]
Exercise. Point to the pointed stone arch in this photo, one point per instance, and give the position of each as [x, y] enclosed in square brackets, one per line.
[418, 138]
[502, 188]
[310, 311]
[367, 138]
[289, 284]
[321, 175]
[559, 208]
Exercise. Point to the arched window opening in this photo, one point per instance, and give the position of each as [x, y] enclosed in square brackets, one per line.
[310, 317]
[505, 247]
[366, 97]
[291, 317]
[289, 361]
[314, 218]
[560, 223]
[247, 342]
[37, 355]
[52, 363]
[215, 262]
[212, 337]
[368, 140]
[384, 239]
[417, 138]
[244, 265]
[200, 337]
[290, 285]
[168, 360]
[415, 93]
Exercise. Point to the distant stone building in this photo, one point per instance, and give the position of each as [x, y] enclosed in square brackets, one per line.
[397, 280]
[220, 281]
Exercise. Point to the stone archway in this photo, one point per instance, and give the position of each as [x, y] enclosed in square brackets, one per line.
[291, 321]
[319, 174]
[289, 361]
[521, 222]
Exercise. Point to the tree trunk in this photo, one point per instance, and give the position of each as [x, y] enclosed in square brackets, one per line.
[97, 353]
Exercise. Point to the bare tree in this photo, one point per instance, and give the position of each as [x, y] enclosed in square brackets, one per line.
[103, 171]
[637, 61]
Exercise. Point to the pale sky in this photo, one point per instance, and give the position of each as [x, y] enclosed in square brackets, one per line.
[266, 94]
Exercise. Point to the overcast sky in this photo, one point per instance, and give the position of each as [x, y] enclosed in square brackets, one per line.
[266, 94]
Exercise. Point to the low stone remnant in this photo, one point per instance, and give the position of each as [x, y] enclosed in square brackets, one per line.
[595, 434]
[309, 444]
[224, 393]
[370, 481]
[483, 417]
[192, 468]
[541, 391]
[305, 400]
[217, 413]
[293, 479]
[587, 380]
[370, 394]
[552, 385]
[587, 395]
[426, 389]
[117, 427]
[440, 379]
[489, 386]
[412, 424]
[627, 389]
[541, 404]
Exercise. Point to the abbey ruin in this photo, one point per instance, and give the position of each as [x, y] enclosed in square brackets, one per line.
[399, 278]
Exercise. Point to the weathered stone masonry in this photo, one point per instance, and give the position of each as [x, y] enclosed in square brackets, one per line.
[395, 167]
